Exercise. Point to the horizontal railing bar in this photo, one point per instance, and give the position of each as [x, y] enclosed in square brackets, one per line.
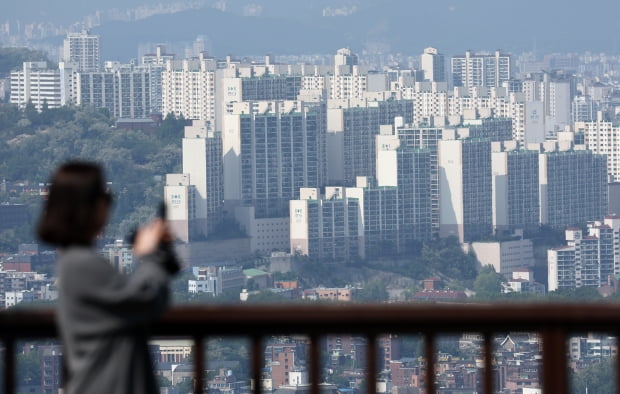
[188, 321]
[553, 321]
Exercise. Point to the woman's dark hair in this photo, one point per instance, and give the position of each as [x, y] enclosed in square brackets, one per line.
[70, 214]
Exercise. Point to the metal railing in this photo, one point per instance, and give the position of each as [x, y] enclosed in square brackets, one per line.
[554, 323]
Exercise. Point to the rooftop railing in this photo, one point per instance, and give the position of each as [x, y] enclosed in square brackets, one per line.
[553, 322]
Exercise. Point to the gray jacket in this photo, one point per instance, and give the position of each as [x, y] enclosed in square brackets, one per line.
[103, 318]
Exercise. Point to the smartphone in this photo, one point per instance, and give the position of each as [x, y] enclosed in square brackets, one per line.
[161, 214]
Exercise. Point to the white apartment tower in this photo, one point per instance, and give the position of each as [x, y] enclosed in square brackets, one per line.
[433, 64]
[202, 160]
[123, 89]
[188, 89]
[587, 259]
[179, 196]
[159, 57]
[603, 138]
[344, 60]
[408, 169]
[354, 125]
[83, 50]
[37, 84]
[346, 81]
[271, 150]
[328, 228]
[426, 138]
[465, 188]
[154, 64]
[472, 70]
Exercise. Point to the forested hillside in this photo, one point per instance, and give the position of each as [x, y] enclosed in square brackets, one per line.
[13, 58]
[32, 144]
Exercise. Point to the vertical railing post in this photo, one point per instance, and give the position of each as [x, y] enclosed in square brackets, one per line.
[429, 353]
[9, 366]
[617, 363]
[315, 364]
[371, 365]
[257, 362]
[488, 363]
[554, 361]
[199, 364]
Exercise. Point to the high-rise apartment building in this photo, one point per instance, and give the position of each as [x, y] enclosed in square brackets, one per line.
[573, 186]
[465, 188]
[159, 57]
[271, 150]
[83, 50]
[379, 205]
[426, 138]
[37, 84]
[556, 94]
[587, 259]
[433, 64]
[495, 129]
[154, 64]
[344, 60]
[408, 169]
[188, 89]
[516, 203]
[123, 89]
[472, 70]
[328, 228]
[354, 126]
[347, 86]
[180, 199]
[433, 101]
[261, 88]
[584, 109]
[202, 160]
[602, 137]
[195, 197]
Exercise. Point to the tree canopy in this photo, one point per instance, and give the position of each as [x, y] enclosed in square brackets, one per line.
[488, 283]
[33, 143]
[13, 58]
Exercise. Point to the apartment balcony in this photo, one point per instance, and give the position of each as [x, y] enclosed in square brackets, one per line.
[553, 322]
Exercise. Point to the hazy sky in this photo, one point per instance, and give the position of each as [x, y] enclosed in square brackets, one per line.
[297, 26]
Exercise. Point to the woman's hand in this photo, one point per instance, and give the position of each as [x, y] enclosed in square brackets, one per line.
[150, 237]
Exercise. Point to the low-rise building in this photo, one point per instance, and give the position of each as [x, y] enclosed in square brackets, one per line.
[215, 280]
[331, 294]
[505, 256]
[119, 254]
[522, 281]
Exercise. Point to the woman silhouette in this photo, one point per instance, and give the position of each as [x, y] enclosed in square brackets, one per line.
[103, 316]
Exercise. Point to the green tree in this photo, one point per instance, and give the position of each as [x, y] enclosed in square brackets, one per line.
[488, 283]
[12, 58]
[186, 386]
[29, 368]
[267, 297]
[374, 291]
[162, 381]
[597, 378]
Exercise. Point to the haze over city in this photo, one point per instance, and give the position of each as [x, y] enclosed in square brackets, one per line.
[328, 152]
[299, 27]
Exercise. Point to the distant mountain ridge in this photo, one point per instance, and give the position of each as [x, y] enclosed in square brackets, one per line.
[299, 27]
[390, 26]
